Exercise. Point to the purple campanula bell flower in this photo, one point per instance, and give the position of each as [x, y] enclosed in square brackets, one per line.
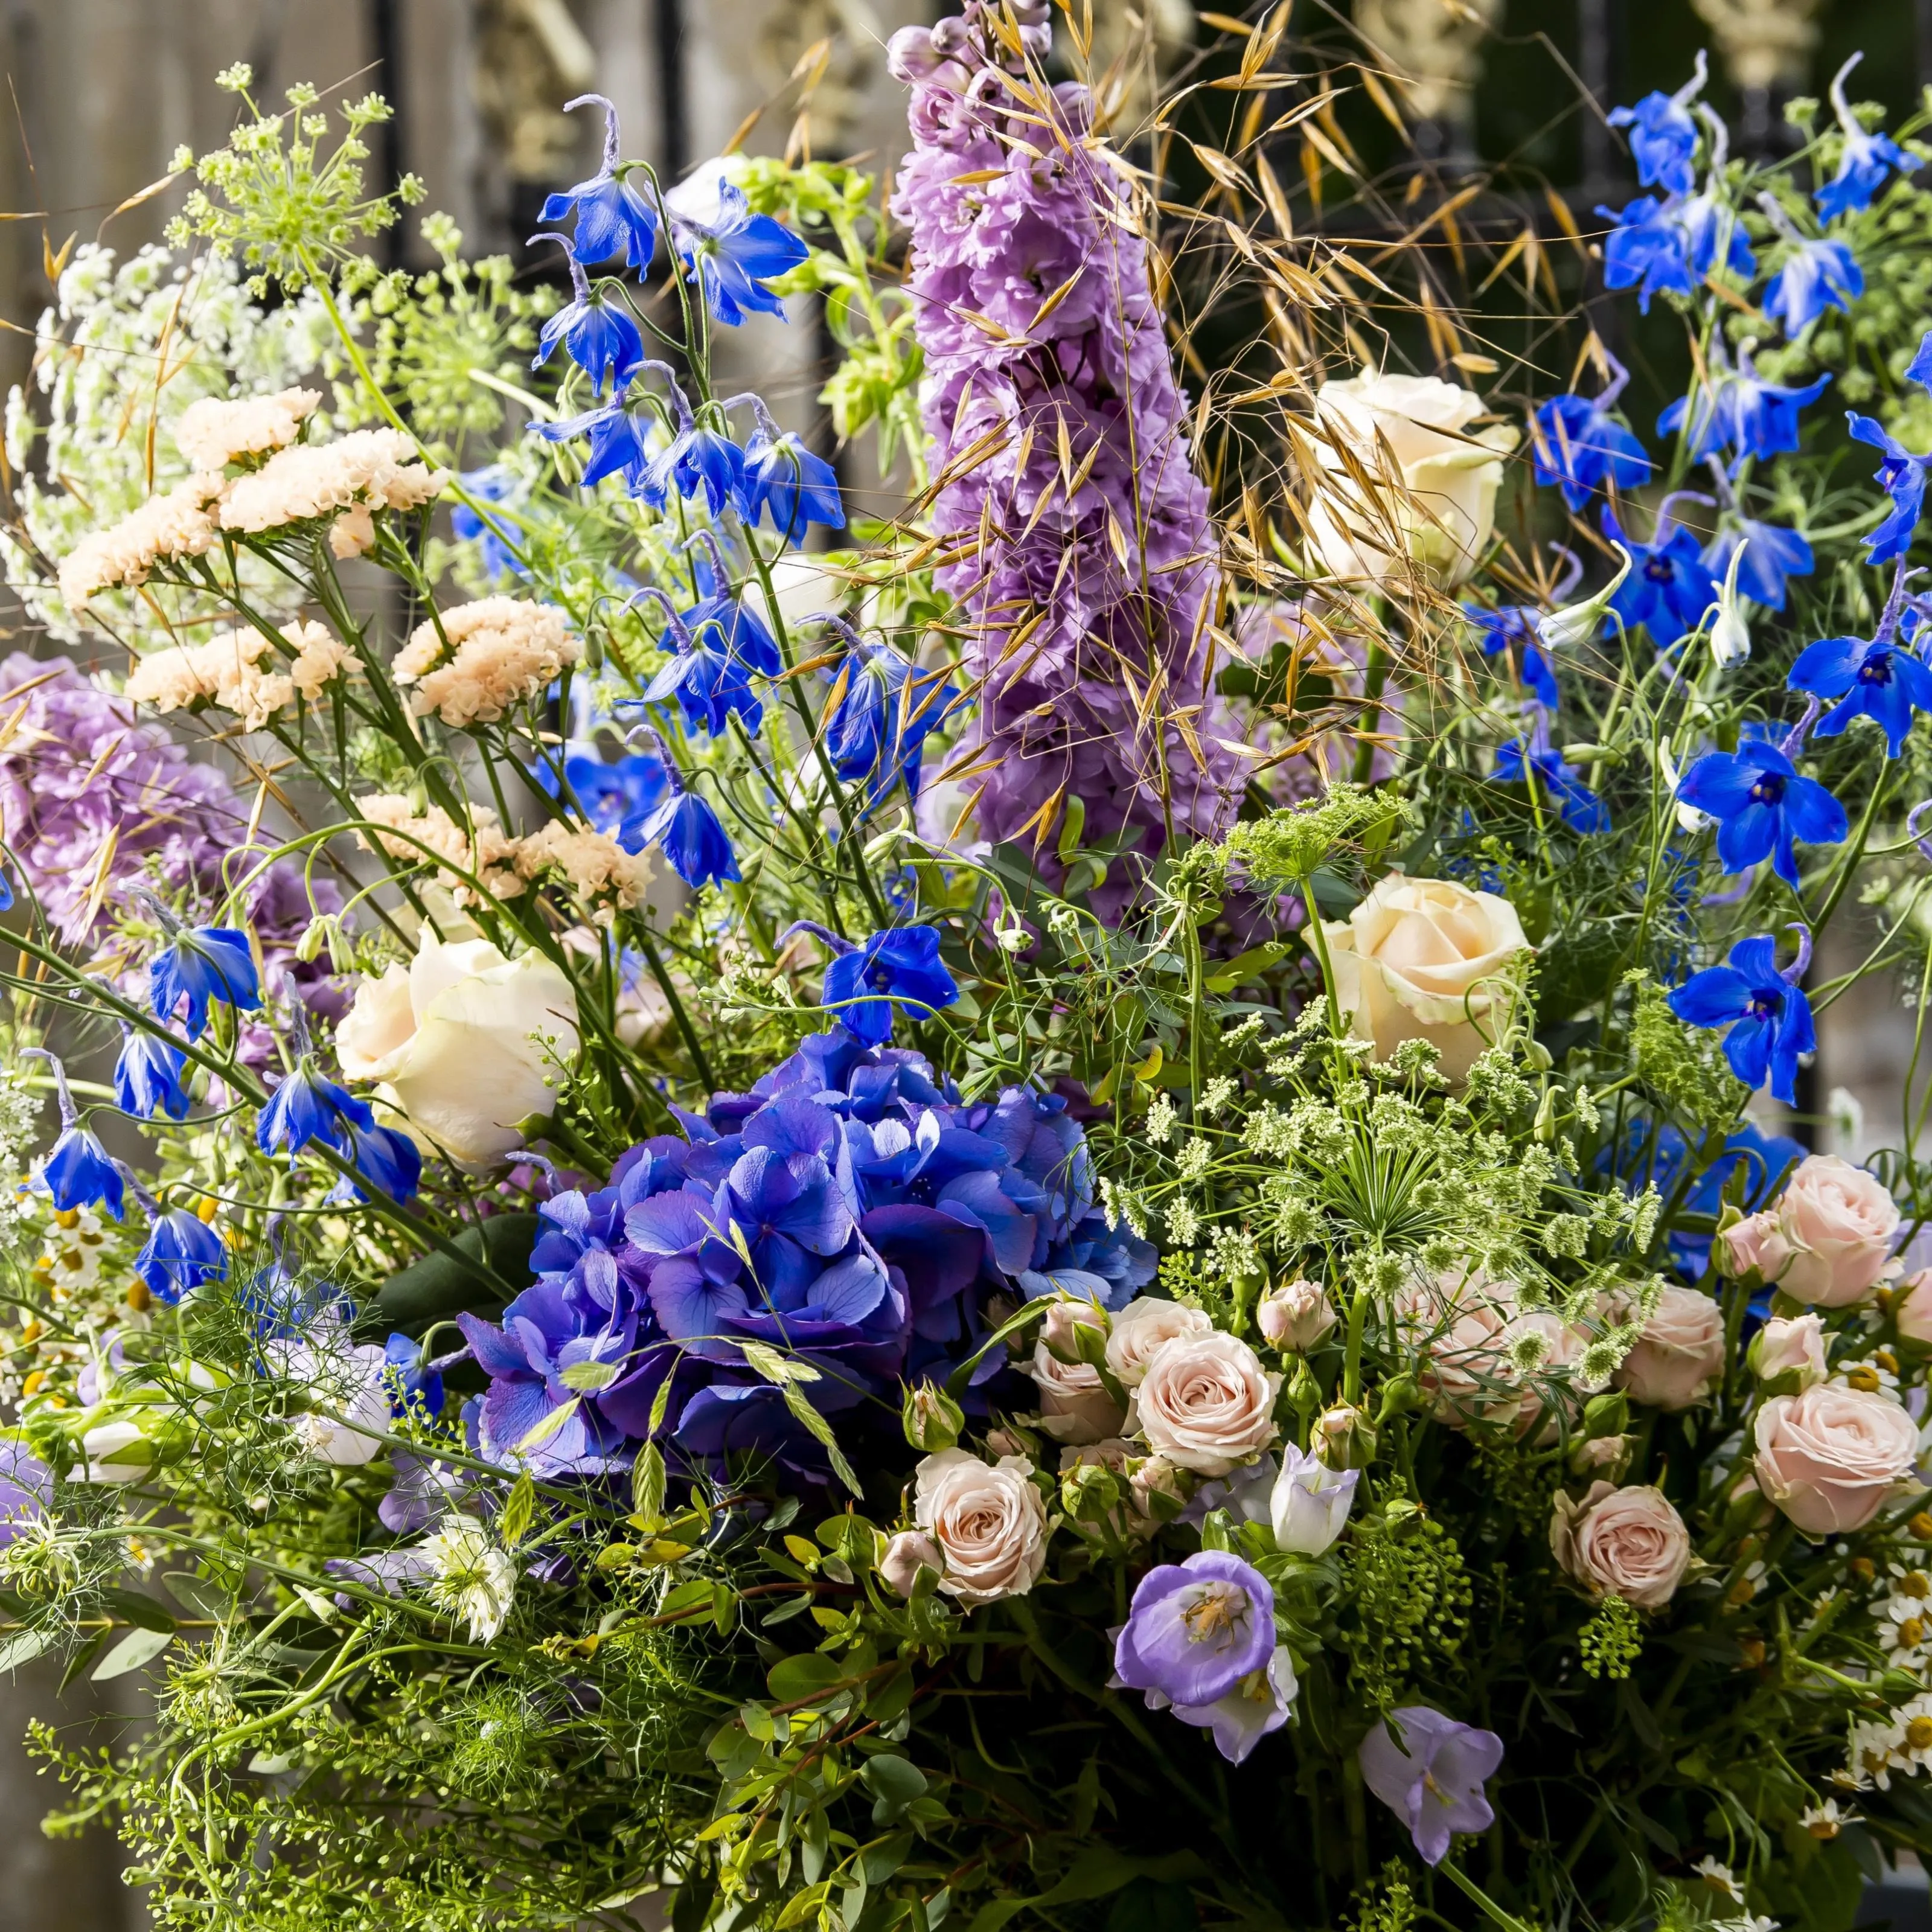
[384, 1159]
[1196, 1628]
[1432, 1776]
[784, 480]
[710, 682]
[886, 708]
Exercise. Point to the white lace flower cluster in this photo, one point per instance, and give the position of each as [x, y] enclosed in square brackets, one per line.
[471, 664]
[128, 350]
[228, 671]
[595, 867]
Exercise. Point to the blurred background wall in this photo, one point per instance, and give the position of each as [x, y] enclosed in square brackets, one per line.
[100, 93]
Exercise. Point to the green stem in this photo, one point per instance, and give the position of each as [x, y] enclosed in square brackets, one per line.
[1375, 675]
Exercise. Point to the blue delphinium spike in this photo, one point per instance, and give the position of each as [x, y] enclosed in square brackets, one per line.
[613, 218]
[78, 1171]
[148, 1077]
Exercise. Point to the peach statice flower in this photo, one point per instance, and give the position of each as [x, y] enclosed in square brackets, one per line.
[214, 432]
[347, 481]
[228, 671]
[471, 664]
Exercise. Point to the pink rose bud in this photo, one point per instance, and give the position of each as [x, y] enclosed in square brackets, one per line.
[1753, 1244]
[1796, 1347]
[1345, 1438]
[1626, 1542]
[1295, 1316]
[1913, 1308]
[910, 1552]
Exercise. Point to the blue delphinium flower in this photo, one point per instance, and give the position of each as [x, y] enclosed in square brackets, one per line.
[1713, 235]
[619, 438]
[784, 480]
[710, 681]
[385, 1158]
[1880, 680]
[1648, 251]
[1512, 629]
[148, 1077]
[1867, 160]
[182, 1251]
[1767, 1013]
[1582, 809]
[1669, 587]
[887, 708]
[599, 337]
[6, 892]
[412, 1383]
[685, 829]
[1901, 473]
[78, 1171]
[310, 1106]
[606, 791]
[204, 965]
[1664, 133]
[1578, 445]
[613, 218]
[1732, 408]
[741, 631]
[495, 483]
[1763, 805]
[731, 257]
[865, 984]
[1772, 555]
[1816, 277]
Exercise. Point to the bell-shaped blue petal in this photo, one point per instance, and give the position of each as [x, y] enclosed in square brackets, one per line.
[80, 1174]
[1578, 445]
[697, 460]
[1516, 628]
[785, 481]
[1648, 250]
[730, 259]
[619, 440]
[1763, 805]
[885, 712]
[1882, 681]
[1669, 587]
[613, 219]
[1580, 807]
[148, 1077]
[204, 965]
[1902, 476]
[309, 1106]
[412, 1383]
[386, 1162]
[687, 830]
[1817, 277]
[182, 1252]
[1663, 134]
[901, 967]
[599, 337]
[1772, 555]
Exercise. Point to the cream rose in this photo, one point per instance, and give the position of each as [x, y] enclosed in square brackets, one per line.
[1074, 1404]
[1296, 1315]
[1831, 1458]
[1628, 1542]
[989, 1523]
[1831, 1236]
[1431, 501]
[1205, 1403]
[1140, 1329]
[1679, 1357]
[1914, 1306]
[464, 1044]
[1427, 959]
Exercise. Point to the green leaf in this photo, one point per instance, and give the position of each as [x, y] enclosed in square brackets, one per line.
[22, 1647]
[519, 1512]
[1249, 965]
[795, 1401]
[894, 1783]
[438, 1286]
[792, 1680]
[130, 1607]
[77, 1663]
[137, 1648]
[199, 1596]
[882, 1860]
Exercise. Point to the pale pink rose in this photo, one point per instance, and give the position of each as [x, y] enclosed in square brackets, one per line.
[1296, 1315]
[1074, 1404]
[989, 1523]
[1454, 1323]
[1627, 1543]
[1837, 1224]
[1206, 1402]
[1914, 1306]
[1831, 1458]
[1753, 1243]
[1679, 1358]
[908, 1552]
[1793, 1346]
[1140, 1329]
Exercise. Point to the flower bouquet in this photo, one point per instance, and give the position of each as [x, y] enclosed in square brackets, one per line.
[1081, 1205]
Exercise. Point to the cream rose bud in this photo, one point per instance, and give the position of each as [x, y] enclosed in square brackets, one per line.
[1787, 1347]
[1628, 1542]
[1427, 959]
[1831, 1458]
[989, 1523]
[464, 1044]
[1295, 1315]
[1141, 1328]
[1912, 1310]
[1205, 1403]
[1433, 500]
[1679, 1358]
[1074, 1404]
[1838, 1225]
[910, 1552]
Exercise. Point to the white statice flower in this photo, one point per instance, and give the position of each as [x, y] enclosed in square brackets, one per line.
[470, 1577]
[77, 432]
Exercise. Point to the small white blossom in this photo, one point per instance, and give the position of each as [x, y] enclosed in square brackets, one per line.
[470, 1577]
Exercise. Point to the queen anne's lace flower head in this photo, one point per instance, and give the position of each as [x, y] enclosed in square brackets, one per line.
[215, 432]
[472, 663]
[228, 670]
